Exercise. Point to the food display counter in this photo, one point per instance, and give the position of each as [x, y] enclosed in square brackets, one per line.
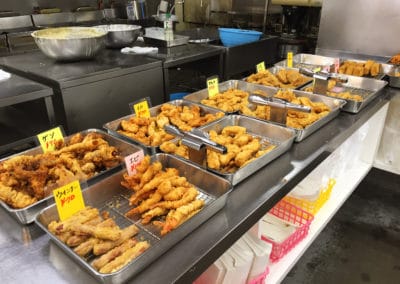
[28, 252]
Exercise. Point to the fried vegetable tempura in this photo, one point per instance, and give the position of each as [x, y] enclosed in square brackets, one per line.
[368, 68]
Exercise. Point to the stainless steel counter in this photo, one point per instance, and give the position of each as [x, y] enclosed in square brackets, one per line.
[28, 255]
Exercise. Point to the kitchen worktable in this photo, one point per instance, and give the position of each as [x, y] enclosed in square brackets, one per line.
[29, 255]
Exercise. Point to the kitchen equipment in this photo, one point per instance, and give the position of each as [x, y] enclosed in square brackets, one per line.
[27, 215]
[109, 195]
[311, 61]
[70, 43]
[232, 37]
[162, 41]
[119, 35]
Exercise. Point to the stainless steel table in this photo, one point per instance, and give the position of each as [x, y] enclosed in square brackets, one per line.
[28, 255]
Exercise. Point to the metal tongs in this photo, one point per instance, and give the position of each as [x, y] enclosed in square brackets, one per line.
[278, 107]
[321, 79]
[197, 141]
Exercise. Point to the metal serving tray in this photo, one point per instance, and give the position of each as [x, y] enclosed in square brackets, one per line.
[275, 69]
[109, 195]
[311, 61]
[281, 137]
[386, 68]
[113, 126]
[198, 96]
[162, 42]
[368, 88]
[394, 81]
[27, 215]
[334, 104]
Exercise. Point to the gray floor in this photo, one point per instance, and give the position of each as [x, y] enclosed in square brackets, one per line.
[361, 244]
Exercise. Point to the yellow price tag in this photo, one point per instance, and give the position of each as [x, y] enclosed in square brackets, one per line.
[317, 69]
[69, 199]
[49, 138]
[290, 59]
[260, 66]
[142, 109]
[212, 86]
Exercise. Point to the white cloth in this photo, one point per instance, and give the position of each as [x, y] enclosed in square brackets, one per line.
[4, 75]
[139, 50]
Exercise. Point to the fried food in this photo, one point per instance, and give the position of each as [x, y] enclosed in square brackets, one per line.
[150, 131]
[26, 179]
[125, 257]
[155, 198]
[87, 232]
[241, 147]
[395, 59]
[368, 68]
[284, 78]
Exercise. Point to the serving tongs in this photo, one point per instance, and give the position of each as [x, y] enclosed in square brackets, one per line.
[278, 107]
[197, 141]
[321, 79]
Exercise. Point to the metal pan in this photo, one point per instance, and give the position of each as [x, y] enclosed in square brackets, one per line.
[279, 136]
[394, 78]
[367, 88]
[385, 68]
[113, 126]
[334, 104]
[275, 69]
[27, 215]
[311, 61]
[109, 195]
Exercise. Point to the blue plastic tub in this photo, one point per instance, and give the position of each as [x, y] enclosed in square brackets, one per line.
[231, 37]
[177, 96]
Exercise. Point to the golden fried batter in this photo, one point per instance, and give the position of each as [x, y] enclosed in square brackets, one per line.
[367, 68]
[284, 78]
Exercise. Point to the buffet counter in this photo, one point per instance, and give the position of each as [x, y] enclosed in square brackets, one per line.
[27, 252]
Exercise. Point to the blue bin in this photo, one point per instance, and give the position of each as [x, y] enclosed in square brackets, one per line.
[231, 37]
[177, 96]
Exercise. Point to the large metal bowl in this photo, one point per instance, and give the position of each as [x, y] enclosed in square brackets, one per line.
[120, 35]
[70, 43]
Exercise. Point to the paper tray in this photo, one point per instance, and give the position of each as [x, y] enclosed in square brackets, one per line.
[275, 69]
[108, 194]
[334, 104]
[113, 126]
[27, 215]
[368, 88]
[280, 136]
[311, 61]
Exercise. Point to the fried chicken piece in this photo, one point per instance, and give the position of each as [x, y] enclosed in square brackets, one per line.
[14, 198]
[125, 257]
[375, 69]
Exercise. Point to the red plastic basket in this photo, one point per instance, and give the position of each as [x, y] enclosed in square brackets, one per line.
[260, 279]
[292, 214]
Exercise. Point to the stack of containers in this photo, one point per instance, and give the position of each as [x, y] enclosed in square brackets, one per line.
[284, 226]
[245, 262]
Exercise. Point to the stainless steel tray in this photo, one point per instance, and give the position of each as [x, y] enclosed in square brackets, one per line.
[27, 215]
[386, 68]
[161, 42]
[368, 88]
[281, 137]
[108, 193]
[275, 69]
[334, 104]
[311, 61]
[198, 96]
[113, 126]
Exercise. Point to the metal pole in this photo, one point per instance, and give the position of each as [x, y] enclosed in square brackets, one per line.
[265, 15]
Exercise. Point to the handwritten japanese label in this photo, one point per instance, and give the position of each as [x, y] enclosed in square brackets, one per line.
[132, 161]
[212, 86]
[69, 199]
[260, 66]
[49, 138]
[290, 59]
[142, 109]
